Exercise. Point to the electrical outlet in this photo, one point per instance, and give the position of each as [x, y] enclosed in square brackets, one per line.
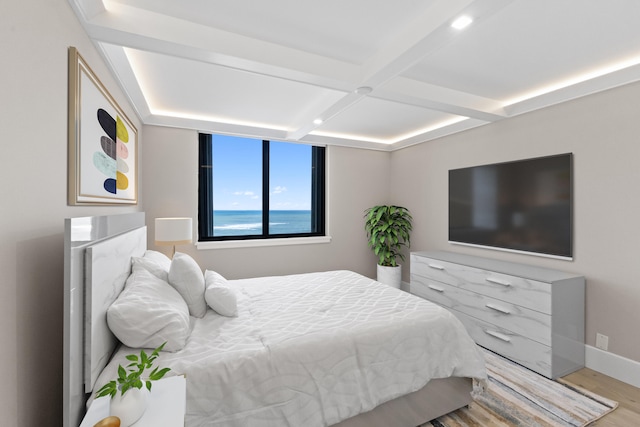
[602, 342]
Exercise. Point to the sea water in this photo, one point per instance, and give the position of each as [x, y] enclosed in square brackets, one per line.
[245, 223]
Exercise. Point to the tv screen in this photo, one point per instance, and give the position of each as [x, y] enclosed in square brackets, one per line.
[523, 206]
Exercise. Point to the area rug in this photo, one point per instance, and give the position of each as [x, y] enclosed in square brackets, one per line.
[516, 396]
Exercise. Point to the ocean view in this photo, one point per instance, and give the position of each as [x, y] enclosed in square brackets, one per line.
[243, 223]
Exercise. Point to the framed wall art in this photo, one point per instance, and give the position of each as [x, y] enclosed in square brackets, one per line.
[103, 143]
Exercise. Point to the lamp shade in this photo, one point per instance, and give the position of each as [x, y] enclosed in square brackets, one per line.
[173, 231]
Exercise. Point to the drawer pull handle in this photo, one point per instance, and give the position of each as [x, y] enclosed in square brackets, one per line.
[436, 266]
[498, 335]
[498, 282]
[498, 308]
[436, 288]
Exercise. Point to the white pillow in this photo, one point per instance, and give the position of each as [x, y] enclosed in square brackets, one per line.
[162, 260]
[186, 277]
[149, 312]
[219, 295]
[155, 262]
[140, 263]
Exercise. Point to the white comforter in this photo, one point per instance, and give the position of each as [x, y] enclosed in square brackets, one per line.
[312, 350]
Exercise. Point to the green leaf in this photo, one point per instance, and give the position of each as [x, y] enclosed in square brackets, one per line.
[134, 378]
[156, 375]
[143, 357]
[109, 389]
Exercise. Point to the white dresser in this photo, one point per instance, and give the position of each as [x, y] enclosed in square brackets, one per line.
[531, 315]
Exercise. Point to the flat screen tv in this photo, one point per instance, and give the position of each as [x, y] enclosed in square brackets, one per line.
[522, 206]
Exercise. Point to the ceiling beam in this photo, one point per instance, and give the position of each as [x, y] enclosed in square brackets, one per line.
[153, 32]
[338, 107]
[123, 25]
[420, 94]
[428, 33]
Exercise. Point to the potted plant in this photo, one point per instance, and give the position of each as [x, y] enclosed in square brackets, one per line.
[388, 229]
[129, 392]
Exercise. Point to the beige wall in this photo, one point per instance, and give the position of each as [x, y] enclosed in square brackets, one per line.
[603, 132]
[35, 36]
[357, 179]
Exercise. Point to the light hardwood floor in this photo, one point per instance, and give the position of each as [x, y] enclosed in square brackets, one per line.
[627, 414]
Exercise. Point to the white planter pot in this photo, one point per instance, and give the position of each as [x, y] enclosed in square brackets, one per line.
[130, 407]
[391, 276]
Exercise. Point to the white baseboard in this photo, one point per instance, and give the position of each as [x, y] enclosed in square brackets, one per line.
[618, 367]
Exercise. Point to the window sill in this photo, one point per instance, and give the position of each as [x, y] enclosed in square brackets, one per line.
[227, 244]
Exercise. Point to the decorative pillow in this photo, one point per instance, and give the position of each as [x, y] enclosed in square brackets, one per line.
[219, 296]
[160, 258]
[186, 277]
[141, 263]
[149, 312]
[154, 262]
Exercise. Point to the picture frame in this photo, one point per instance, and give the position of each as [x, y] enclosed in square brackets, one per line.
[103, 142]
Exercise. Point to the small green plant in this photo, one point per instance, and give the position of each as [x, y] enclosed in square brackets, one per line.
[131, 377]
[388, 229]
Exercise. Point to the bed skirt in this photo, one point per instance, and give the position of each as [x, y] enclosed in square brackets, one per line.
[440, 396]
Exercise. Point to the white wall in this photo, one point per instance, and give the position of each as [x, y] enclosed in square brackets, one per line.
[357, 179]
[603, 132]
[35, 36]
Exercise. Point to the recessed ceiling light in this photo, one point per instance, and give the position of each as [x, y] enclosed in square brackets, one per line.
[317, 121]
[462, 22]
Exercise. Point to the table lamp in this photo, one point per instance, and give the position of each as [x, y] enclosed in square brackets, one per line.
[173, 231]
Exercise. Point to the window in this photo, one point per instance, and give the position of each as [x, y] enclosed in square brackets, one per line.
[252, 189]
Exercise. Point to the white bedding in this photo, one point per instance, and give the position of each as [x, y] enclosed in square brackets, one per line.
[312, 350]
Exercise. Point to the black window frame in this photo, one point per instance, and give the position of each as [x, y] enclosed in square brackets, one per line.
[205, 194]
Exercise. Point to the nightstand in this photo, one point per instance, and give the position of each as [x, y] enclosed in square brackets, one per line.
[167, 404]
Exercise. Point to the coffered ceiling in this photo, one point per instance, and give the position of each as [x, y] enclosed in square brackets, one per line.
[365, 73]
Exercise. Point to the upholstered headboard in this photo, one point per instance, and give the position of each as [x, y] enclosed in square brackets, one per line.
[98, 253]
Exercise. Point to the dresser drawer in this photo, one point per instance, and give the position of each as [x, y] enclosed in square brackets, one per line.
[520, 320]
[524, 351]
[527, 293]
[530, 314]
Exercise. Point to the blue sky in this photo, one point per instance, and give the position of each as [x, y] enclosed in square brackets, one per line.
[237, 174]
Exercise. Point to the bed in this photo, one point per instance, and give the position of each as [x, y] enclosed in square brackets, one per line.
[320, 349]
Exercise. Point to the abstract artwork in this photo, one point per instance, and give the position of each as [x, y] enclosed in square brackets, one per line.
[102, 142]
